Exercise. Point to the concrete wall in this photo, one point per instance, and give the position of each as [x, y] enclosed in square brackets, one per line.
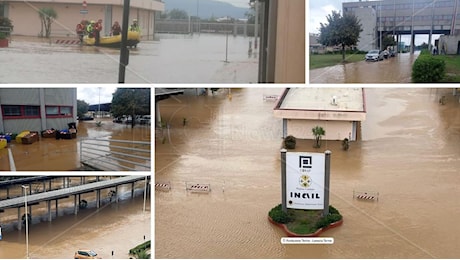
[368, 20]
[290, 42]
[335, 130]
[449, 44]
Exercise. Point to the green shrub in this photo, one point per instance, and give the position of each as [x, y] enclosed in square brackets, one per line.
[329, 219]
[333, 210]
[290, 142]
[428, 69]
[279, 216]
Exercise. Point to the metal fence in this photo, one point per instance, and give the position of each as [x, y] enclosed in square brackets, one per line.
[115, 155]
[191, 26]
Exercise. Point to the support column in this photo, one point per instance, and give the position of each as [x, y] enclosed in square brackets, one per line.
[412, 43]
[57, 209]
[132, 190]
[44, 186]
[157, 114]
[116, 194]
[98, 198]
[75, 204]
[50, 217]
[19, 219]
[8, 192]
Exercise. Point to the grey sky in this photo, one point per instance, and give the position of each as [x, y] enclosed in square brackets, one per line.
[91, 94]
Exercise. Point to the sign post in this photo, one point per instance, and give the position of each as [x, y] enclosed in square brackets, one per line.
[283, 180]
[327, 171]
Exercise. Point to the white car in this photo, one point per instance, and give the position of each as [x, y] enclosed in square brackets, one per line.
[374, 55]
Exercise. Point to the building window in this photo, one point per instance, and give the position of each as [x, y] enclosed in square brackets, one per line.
[18, 112]
[58, 111]
[52, 111]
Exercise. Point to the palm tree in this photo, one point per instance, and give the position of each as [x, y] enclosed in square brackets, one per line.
[318, 131]
[47, 16]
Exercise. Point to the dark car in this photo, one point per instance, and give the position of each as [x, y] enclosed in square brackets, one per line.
[86, 254]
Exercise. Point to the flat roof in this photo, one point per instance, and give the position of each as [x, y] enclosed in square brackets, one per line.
[340, 104]
[325, 99]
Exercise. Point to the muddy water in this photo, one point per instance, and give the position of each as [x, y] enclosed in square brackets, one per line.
[393, 70]
[114, 227]
[408, 153]
[63, 155]
[172, 59]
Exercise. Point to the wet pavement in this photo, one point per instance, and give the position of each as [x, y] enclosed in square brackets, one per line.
[393, 70]
[50, 154]
[408, 152]
[115, 227]
[173, 59]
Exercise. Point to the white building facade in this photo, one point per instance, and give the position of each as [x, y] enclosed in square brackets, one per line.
[26, 21]
[337, 110]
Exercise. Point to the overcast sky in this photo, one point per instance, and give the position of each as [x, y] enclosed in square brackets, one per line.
[319, 9]
[238, 3]
[91, 94]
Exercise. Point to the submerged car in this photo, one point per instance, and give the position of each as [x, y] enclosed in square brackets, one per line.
[374, 55]
[86, 254]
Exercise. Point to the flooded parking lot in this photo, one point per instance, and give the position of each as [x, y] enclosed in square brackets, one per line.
[114, 227]
[50, 154]
[408, 152]
[173, 59]
[393, 70]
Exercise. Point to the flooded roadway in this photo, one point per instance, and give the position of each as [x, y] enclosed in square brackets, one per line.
[64, 155]
[393, 70]
[173, 59]
[114, 227]
[409, 153]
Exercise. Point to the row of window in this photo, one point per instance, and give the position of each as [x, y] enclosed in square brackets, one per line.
[21, 111]
[416, 18]
[416, 6]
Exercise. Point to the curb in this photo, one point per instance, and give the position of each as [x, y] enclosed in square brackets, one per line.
[317, 233]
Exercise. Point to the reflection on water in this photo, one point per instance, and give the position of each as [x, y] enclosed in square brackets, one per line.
[64, 155]
[408, 153]
[186, 59]
[393, 70]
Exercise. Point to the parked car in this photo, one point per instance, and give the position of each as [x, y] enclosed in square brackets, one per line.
[145, 120]
[392, 53]
[386, 54]
[374, 55]
[86, 254]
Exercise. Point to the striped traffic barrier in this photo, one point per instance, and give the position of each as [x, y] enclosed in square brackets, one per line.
[163, 186]
[67, 42]
[366, 195]
[196, 187]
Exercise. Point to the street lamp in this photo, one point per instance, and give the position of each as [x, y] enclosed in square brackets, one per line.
[27, 220]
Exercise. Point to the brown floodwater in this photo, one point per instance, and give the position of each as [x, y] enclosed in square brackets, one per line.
[408, 152]
[115, 227]
[50, 154]
[393, 70]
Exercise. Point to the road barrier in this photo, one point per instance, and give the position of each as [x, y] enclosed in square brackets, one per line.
[164, 186]
[366, 195]
[196, 187]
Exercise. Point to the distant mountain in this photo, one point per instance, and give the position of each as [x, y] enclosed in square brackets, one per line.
[206, 8]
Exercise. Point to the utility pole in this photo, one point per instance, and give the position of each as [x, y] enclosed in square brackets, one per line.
[124, 52]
